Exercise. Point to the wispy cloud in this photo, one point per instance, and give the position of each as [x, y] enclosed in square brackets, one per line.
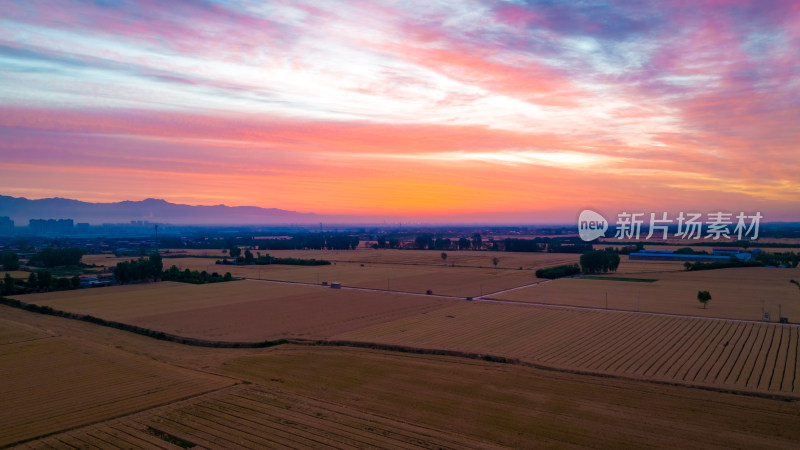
[343, 103]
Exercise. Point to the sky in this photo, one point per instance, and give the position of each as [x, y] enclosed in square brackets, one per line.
[432, 111]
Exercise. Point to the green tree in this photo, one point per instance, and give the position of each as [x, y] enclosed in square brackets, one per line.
[63, 284]
[424, 241]
[44, 279]
[9, 260]
[75, 282]
[8, 285]
[33, 281]
[703, 297]
[477, 242]
[248, 257]
[495, 261]
[444, 256]
[235, 252]
[52, 257]
[158, 264]
[594, 261]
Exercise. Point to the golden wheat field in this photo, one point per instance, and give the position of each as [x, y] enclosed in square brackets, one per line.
[241, 310]
[441, 280]
[576, 374]
[12, 332]
[747, 356]
[310, 396]
[737, 293]
[469, 258]
[55, 383]
[15, 274]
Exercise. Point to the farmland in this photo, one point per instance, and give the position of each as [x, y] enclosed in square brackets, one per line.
[59, 382]
[334, 396]
[723, 354]
[12, 332]
[737, 293]
[578, 374]
[454, 281]
[241, 310]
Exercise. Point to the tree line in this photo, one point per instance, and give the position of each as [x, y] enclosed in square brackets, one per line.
[54, 257]
[551, 273]
[311, 241]
[152, 269]
[194, 276]
[247, 258]
[38, 281]
[596, 261]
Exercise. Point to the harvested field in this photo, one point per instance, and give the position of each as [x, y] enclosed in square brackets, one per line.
[58, 383]
[522, 407]
[468, 258]
[744, 356]
[240, 310]
[17, 274]
[310, 396]
[737, 293]
[11, 332]
[257, 417]
[454, 281]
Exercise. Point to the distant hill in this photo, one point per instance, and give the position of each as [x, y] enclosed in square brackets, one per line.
[21, 209]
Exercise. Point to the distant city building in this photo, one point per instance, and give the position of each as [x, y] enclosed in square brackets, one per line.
[53, 226]
[82, 227]
[6, 226]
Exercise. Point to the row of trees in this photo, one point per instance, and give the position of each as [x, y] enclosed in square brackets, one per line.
[786, 259]
[429, 242]
[387, 242]
[194, 276]
[551, 273]
[319, 241]
[539, 244]
[48, 258]
[596, 261]
[38, 281]
[54, 257]
[150, 268]
[262, 260]
[547, 244]
[9, 260]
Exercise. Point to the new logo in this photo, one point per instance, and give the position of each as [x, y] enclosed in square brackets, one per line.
[591, 225]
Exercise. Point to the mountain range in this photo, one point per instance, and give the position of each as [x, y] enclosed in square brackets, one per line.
[21, 209]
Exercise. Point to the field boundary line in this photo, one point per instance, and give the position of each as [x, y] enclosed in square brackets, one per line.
[503, 291]
[356, 288]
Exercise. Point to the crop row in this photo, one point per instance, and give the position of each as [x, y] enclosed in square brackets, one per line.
[721, 353]
[251, 417]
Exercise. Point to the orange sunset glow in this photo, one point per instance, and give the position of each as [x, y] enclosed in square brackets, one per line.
[473, 111]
